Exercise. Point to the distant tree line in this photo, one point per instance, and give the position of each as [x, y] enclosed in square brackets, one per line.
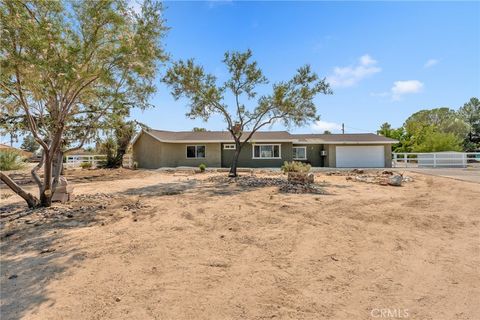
[440, 129]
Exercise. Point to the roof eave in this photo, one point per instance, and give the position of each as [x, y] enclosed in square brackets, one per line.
[294, 141]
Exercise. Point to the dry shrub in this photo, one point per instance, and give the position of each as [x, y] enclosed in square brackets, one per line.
[11, 160]
[295, 166]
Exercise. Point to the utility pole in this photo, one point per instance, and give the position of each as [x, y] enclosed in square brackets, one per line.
[343, 128]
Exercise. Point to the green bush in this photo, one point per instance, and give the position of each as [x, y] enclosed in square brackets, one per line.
[202, 167]
[11, 160]
[85, 165]
[295, 166]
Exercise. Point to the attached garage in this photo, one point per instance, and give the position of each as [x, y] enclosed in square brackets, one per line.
[360, 156]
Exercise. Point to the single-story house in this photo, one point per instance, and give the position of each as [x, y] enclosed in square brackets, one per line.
[158, 148]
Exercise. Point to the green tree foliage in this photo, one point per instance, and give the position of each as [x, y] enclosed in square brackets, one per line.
[398, 134]
[115, 147]
[68, 65]
[470, 114]
[442, 119]
[197, 129]
[438, 129]
[29, 144]
[290, 102]
[435, 141]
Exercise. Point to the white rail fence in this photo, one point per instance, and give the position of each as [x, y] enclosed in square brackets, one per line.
[436, 160]
[73, 161]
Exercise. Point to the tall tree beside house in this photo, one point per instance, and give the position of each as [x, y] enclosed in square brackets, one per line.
[439, 129]
[68, 65]
[290, 102]
[444, 120]
[29, 143]
[470, 114]
[115, 146]
[386, 130]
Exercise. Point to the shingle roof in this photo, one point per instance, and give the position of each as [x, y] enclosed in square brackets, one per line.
[268, 136]
[217, 136]
[347, 137]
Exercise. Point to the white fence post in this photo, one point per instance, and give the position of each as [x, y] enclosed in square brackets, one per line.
[434, 160]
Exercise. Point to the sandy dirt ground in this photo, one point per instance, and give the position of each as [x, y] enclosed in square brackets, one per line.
[155, 245]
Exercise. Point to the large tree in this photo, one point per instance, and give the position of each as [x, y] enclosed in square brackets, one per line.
[67, 65]
[386, 130]
[116, 145]
[442, 119]
[439, 129]
[470, 113]
[290, 102]
[29, 143]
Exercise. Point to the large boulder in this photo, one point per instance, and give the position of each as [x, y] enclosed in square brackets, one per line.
[301, 177]
[395, 180]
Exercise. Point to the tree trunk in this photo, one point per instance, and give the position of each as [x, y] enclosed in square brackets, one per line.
[31, 200]
[119, 157]
[46, 191]
[233, 168]
[57, 168]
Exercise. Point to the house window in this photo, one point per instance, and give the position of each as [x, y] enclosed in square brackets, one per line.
[229, 146]
[195, 152]
[266, 151]
[299, 153]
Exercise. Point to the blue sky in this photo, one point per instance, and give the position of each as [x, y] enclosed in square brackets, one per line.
[385, 60]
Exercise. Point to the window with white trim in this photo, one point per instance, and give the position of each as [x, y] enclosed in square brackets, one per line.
[194, 152]
[299, 153]
[230, 146]
[266, 151]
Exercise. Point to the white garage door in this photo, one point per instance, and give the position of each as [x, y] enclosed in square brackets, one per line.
[360, 156]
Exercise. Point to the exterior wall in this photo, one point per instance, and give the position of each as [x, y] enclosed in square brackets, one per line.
[245, 159]
[313, 154]
[150, 153]
[175, 155]
[331, 159]
[147, 152]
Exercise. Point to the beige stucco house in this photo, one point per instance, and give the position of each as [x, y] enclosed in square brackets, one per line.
[159, 148]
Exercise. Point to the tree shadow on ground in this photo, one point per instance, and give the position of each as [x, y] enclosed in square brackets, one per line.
[34, 253]
[206, 188]
[161, 189]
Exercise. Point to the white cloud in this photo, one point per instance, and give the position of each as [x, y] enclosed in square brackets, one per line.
[401, 88]
[351, 75]
[430, 63]
[321, 126]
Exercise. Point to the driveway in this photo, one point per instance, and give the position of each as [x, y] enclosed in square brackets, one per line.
[465, 174]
